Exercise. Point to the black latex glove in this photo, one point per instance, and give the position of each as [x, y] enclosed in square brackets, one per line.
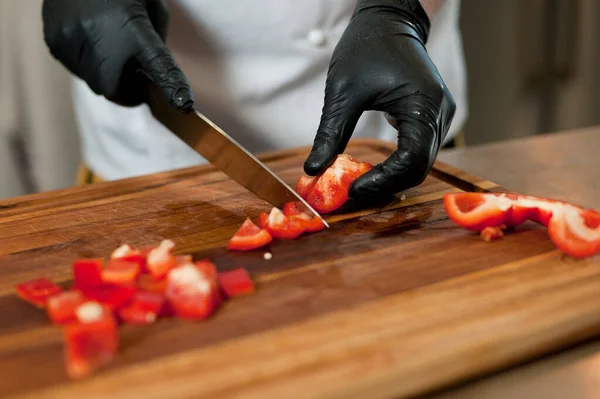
[106, 42]
[381, 63]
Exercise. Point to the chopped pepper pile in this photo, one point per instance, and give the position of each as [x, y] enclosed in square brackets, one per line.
[573, 229]
[134, 286]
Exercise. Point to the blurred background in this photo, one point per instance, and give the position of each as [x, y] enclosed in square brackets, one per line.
[532, 69]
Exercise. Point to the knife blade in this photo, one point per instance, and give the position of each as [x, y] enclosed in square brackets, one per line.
[226, 154]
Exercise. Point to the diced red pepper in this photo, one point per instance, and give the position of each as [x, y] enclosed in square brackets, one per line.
[310, 223]
[183, 259]
[92, 342]
[144, 308]
[121, 272]
[492, 233]
[61, 307]
[160, 259]
[249, 237]
[87, 273]
[329, 191]
[38, 291]
[236, 282]
[191, 293]
[207, 267]
[281, 226]
[148, 283]
[123, 251]
[112, 296]
[574, 230]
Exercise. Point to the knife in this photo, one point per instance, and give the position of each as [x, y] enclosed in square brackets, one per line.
[223, 152]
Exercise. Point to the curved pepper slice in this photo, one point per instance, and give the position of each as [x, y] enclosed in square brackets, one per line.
[574, 230]
[329, 191]
[249, 237]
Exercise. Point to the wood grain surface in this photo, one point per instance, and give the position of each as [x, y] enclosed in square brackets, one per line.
[389, 302]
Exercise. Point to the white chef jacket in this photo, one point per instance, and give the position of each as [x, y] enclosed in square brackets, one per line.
[258, 70]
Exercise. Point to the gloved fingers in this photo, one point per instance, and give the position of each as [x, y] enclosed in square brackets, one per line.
[408, 166]
[341, 112]
[158, 64]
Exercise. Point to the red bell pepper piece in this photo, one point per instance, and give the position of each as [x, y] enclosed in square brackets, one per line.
[329, 191]
[160, 259]
[310, 223]
[121, 272]
[492, 233]
[38, 291]
[92, 341]
[281, 226]
[206, 266]
[144, 308]
[61, 308]
[191, 293]
[112, 296]
[476, 211]
[249, 237]
[574, 230]
[123, 251]
[236, 282]
[87, 273]
[128, 253]
[148, 283]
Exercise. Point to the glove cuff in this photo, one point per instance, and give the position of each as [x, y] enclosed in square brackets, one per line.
[411, 10]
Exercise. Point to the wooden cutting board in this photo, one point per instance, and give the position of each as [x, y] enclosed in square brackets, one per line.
[388, 302]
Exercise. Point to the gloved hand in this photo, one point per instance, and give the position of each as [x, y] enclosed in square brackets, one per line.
[106, 42]
[381, 63]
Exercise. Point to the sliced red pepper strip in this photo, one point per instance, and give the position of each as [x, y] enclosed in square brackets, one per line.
[112, 296]
[91, 342]
[61, 307]
[576, 232]
[476, 211]
[281, 226]
[87, 273]
[311, 224]
[160, 260]
[121, 272]
[236, 282]
[144, 308]
[38, 291]
[329, 191]
[191, 293]
[249, 237]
